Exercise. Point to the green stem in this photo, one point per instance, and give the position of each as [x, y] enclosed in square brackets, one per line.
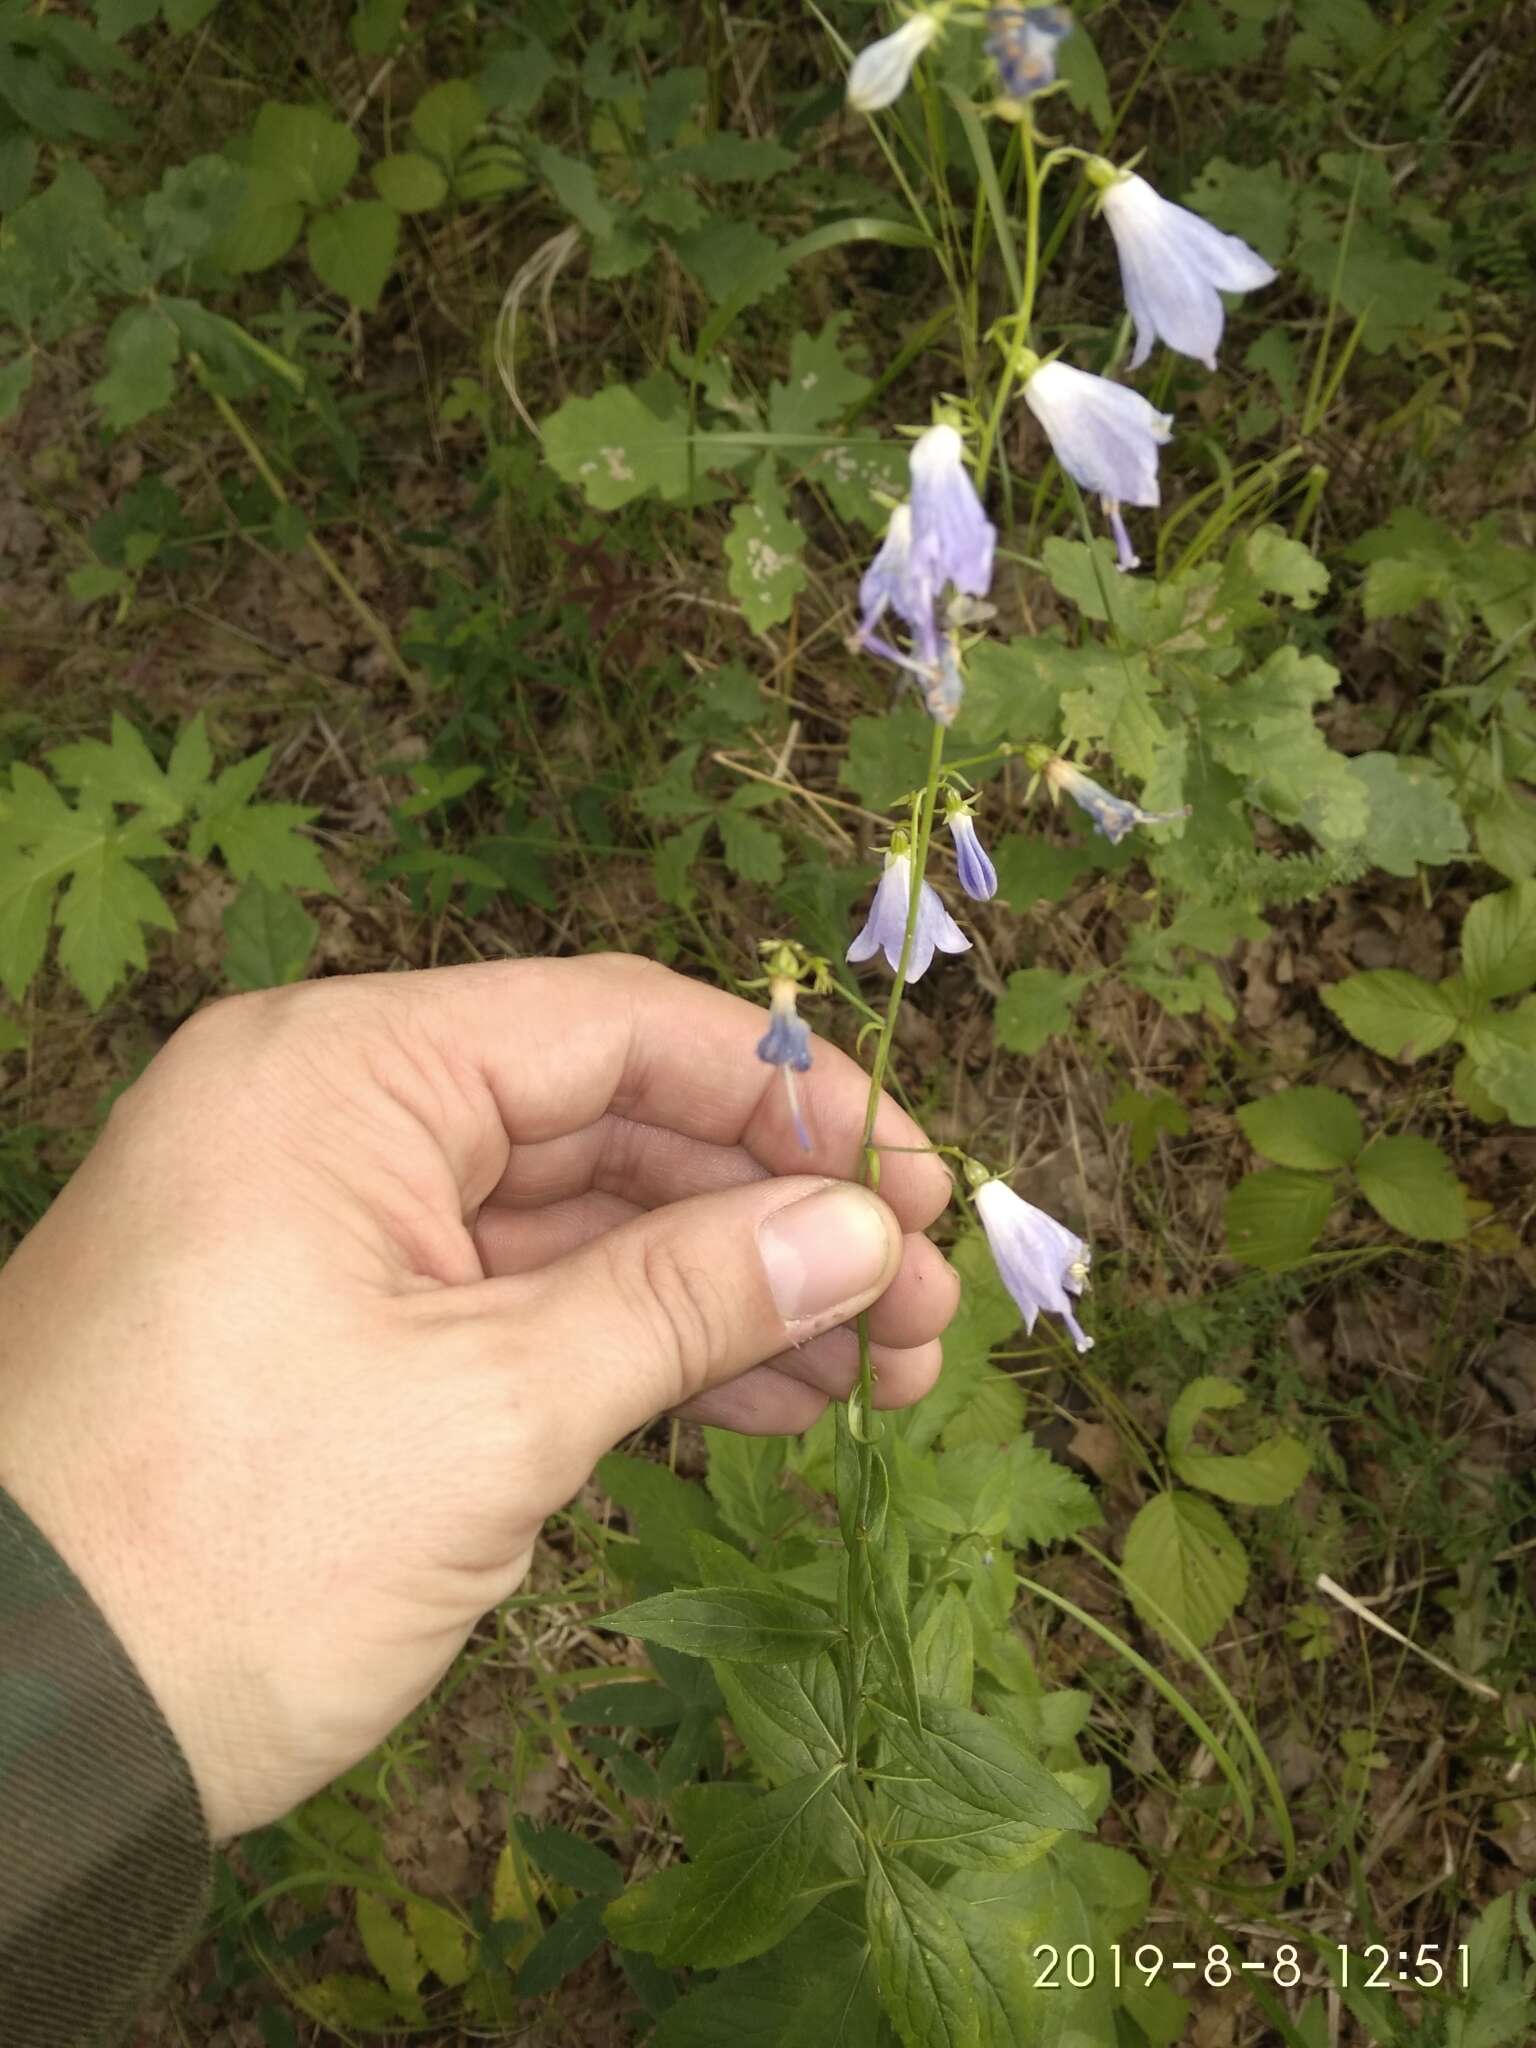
[862, 1398]
[1024, 315]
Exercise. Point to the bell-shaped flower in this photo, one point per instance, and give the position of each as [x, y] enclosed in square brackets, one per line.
[1174, 266]
[951, 534]
[900, 579]
[1040, 1262]
[786, 1044]
[978, 877]
[1104, 435]
[1022, 43]
[1112, 816]
[885, 928]
[879, 73]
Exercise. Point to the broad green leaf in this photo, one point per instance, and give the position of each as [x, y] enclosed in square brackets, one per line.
[263, 840]
[744, 1478]
[1263, 1477]
[1415, 820]
[624, 1703]
[754, 852]
[1274, 1218]
[307, 154]
[724, 158]
[1286, 566]
[724, 252]
[142, 349]
[389, 1946]
[1501, 1050]
[1256, 202]
[1394, 1013]
[93, 580]
[665, 1510]
[448, 1948]
[1315, 1129]
[1265, 730]
[1506, 834]
[270, 937]
[1410, 1184]
[743, 1627]
[182, 16]
[922, 1965]
[447, 118]
[934, 1821]
[408, 182]
[102, 912]
[943, 1650]
[27, 887]
[1498, 941]
[1048, 1503]
[12, 1037]
[375, 26]
[1147, 1115]
[1182, 1560]
[887, 756]
[15, 382]
[352, 249]
[766, 550]
[196, 202]
[616, 447]
[789, 1716]
[976, 1761]
[1037, 1003]
[268, 224]
[569, 1859]
[565, 1944]
[122, 771]
[750, 1884]
[881, 1558]
[820, 385]
[345, 2000]
[574, 185]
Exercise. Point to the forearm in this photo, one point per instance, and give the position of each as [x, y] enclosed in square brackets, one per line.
[104, 1858]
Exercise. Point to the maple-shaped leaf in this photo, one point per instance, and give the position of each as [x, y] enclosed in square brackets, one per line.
[260, 840]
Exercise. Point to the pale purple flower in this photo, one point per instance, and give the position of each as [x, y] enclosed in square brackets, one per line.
[1022, 41]
[786, 1044]
[886, 926]
[951, 535]
[879, 73]
[900, 579]
[1112, 816]
[1126, 557]
[978, 877]
[1174, 266]
[1105, 436]
[1040, 1262]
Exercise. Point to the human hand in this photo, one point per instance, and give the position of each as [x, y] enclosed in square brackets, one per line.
[362, 1278]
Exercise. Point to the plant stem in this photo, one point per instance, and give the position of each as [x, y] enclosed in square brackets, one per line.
[1034, 181]
[861, 1401]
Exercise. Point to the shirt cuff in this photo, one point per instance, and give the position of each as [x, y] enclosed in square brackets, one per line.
[105, 1861]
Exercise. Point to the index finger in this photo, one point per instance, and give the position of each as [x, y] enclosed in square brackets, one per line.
[560, 1043]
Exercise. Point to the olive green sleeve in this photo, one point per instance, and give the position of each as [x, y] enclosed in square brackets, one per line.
[105, 1864]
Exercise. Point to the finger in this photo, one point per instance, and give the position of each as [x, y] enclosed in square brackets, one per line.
[680, 1300]
[830, 1364]
[920, 1302]
[763, 1402]
[561, 1043]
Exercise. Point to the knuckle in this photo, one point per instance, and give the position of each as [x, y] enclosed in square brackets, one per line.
[688, 1310]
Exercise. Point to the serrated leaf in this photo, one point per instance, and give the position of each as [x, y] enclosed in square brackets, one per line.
[1036, 1004]
[744, 1480]
[142, 351]
[1315, 1129]
[308, 155]
[1498, 941]
[943, 1650]
[754, 852]
[448, 1948]
[1502, 1053]
[615, 447]
[747, 1627]
[102, 913]
[563, 1947]
[389, 1946]
[447, 118]
[887, 756]
[15, 382]
[408, 182]
[743, 1893]
[820, 385]
[569, 1859]
[1414, 820]
[269, 936]
[1147, 1116]
[1048, 1503]
[1263, 1477]
[977, 1762]
[1286, 566]
[1274, 1218]
[1182, 1560]
[26, 917]
[1410, 1184]
[263, 840]
[268, 224]
[121, 771]
[922, 1965]
[1394, 1013]
[352, 249]
[765, 548]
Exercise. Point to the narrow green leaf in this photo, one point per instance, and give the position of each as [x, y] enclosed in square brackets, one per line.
[922, 1964]
[976, 1761]
[720, 1621]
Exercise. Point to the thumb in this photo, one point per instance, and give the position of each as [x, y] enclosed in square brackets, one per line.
[646, 1316]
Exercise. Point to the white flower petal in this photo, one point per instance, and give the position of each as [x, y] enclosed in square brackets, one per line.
[879, 74]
